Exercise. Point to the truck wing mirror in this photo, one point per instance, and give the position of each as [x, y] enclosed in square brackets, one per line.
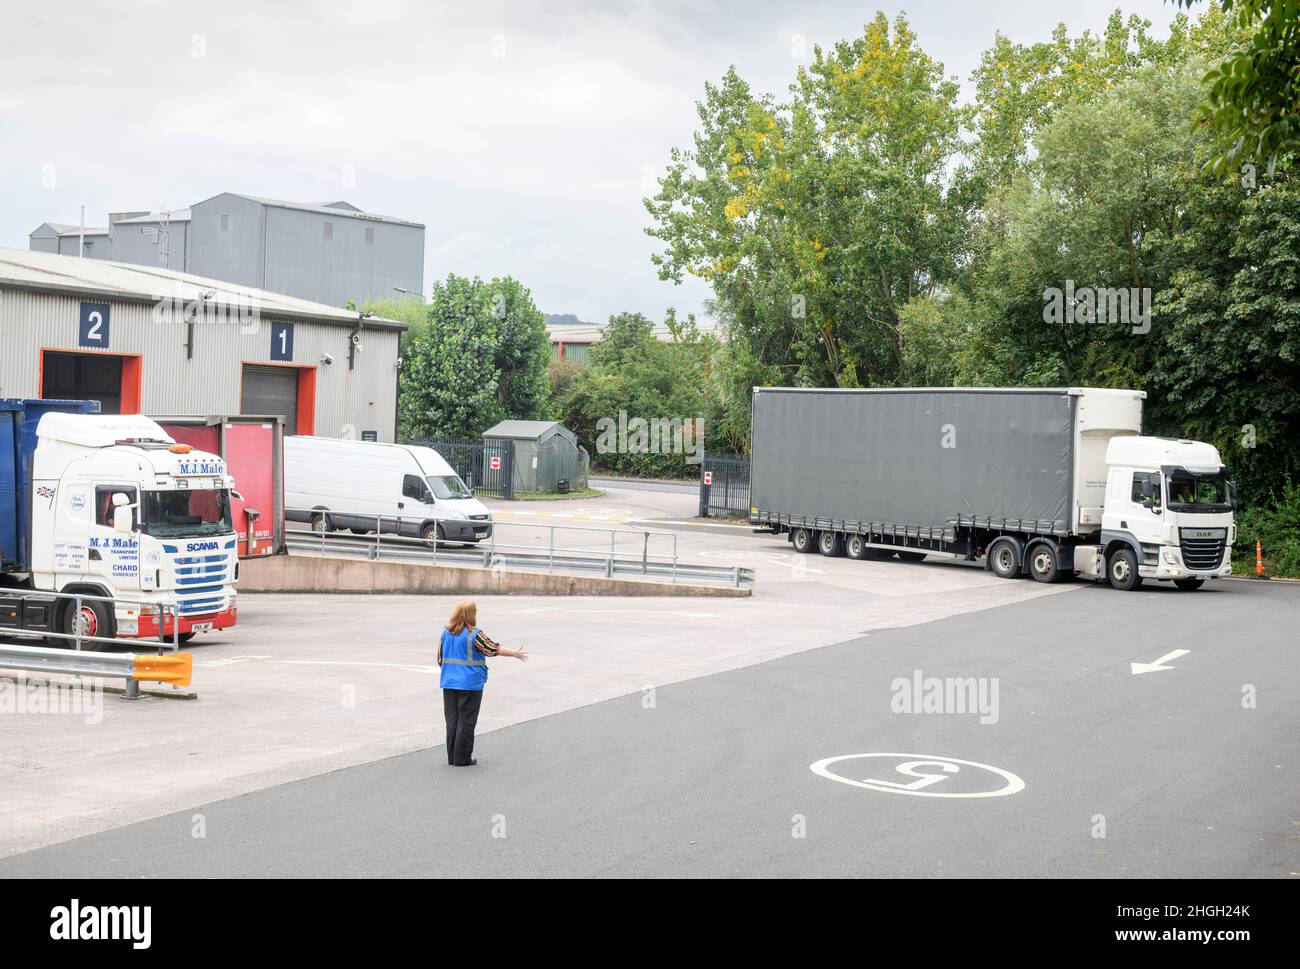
[123, 519]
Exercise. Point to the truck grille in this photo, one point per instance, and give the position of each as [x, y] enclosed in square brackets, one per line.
[1202, 548]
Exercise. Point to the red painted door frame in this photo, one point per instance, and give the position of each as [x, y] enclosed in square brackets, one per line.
[132, 381]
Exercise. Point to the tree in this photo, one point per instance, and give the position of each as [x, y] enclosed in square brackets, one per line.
[523, 349]
[1253, 102]
[815, 220]
[449, 375]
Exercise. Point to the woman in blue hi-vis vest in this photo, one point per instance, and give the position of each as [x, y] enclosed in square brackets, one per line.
[462, 654]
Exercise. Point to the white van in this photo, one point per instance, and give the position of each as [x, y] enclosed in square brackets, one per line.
[405, 489]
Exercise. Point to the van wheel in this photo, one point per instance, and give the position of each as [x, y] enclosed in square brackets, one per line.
[802, 540]
[1189, 585]
[432, 534]
[359, 531]
[1122, 569]
[94, 619]
[830, 544]
[1004, 559]
[1042, 564]
[321, 523]
[855, 547]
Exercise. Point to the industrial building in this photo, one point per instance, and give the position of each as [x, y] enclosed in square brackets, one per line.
[330, 253]
[155, 341]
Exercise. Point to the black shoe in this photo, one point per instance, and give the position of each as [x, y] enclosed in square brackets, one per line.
[471, 763]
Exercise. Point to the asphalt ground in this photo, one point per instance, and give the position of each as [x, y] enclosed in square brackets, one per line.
[1187, 771]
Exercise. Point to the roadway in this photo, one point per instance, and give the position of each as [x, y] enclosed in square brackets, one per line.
[710, 775]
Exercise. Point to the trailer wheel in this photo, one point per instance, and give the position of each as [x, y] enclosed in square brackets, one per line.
[830, 544]
[1004, 559]
[855, 547]
[1189, 585]
[1042, 564]
[1122, 570]
[906, 556]
[802, 540]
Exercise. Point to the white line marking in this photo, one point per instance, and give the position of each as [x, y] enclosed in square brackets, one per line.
[1157, 665]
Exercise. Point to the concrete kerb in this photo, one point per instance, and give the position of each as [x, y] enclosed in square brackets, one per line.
[312, 573]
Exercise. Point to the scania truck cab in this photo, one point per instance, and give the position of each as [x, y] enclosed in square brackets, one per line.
[115, 508]
[1168, 514]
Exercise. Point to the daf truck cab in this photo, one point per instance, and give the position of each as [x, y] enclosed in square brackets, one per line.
[1168, 514]
[113, 507]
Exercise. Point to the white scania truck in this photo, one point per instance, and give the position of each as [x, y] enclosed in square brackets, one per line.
[110, 506]
[1044, 483]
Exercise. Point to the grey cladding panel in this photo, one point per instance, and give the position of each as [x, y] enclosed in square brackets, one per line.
[878, 456]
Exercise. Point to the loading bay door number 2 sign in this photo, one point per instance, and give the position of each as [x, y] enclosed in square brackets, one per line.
[920, 775]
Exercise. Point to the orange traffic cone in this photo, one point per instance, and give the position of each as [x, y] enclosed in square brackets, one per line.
[1259, 560]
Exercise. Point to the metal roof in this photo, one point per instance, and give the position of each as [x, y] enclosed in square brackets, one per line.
[333, 208]
[63, 229]
[592, 332]
[75, 276]
[177, 215]
[528, 430]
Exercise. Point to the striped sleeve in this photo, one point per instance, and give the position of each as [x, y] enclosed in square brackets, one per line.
[484, 645]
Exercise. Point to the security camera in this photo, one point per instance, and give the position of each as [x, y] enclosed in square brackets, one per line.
[326, 359]
[356, 340]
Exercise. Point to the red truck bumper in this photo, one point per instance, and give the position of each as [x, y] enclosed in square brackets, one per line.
[216, 620]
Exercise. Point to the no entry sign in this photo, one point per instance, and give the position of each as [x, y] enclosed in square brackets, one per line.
[494, 463]
[708, 477]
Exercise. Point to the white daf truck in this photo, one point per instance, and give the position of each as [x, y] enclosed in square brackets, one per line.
[112, 507]
[1043, 483]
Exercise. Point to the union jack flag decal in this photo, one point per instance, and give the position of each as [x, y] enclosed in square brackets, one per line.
[45, 492]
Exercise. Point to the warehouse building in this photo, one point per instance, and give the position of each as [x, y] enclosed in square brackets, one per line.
[155, 341]
[331, 252]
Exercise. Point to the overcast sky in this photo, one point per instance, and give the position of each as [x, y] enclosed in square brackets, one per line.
[523, 135]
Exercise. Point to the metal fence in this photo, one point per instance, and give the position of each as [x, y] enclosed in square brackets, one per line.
[486, 466]
[724, 486]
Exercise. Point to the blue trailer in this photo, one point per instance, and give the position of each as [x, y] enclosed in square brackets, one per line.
[18, 421]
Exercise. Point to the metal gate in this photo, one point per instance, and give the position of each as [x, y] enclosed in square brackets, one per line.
[271, 390]
[724, 486]
[483, 465]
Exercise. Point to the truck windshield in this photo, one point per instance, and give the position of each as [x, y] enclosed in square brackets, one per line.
[196, 511]
[1199, 492]
[448, 486]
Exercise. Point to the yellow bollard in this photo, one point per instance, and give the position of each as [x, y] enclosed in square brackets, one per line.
[174, 668]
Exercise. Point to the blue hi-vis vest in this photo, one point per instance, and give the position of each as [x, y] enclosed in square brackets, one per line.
[463, 666]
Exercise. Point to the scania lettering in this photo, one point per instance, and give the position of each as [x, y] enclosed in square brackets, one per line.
[110, 506]
[1038, 483]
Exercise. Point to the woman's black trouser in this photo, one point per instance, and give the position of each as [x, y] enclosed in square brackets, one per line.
[461, 710]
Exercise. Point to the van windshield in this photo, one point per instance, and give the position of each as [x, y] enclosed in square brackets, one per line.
[448, 486]
[186, 513]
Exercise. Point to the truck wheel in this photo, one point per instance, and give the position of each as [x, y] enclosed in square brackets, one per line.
[855, 547]
[802, 540]
[1042, 564]
[906, 556]
[830, 544]
[95, 620]
[1189, 585]
[1004, 559]
[1123, 571]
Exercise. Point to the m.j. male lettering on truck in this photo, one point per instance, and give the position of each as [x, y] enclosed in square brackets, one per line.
[111, 507]
[1044, 483]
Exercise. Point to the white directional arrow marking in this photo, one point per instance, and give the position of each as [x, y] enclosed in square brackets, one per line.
[1159, 664]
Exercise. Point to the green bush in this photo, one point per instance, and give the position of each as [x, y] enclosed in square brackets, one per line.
[1275, 524]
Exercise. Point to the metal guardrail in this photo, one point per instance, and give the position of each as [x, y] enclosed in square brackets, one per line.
[175, 668]
[494, 553]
